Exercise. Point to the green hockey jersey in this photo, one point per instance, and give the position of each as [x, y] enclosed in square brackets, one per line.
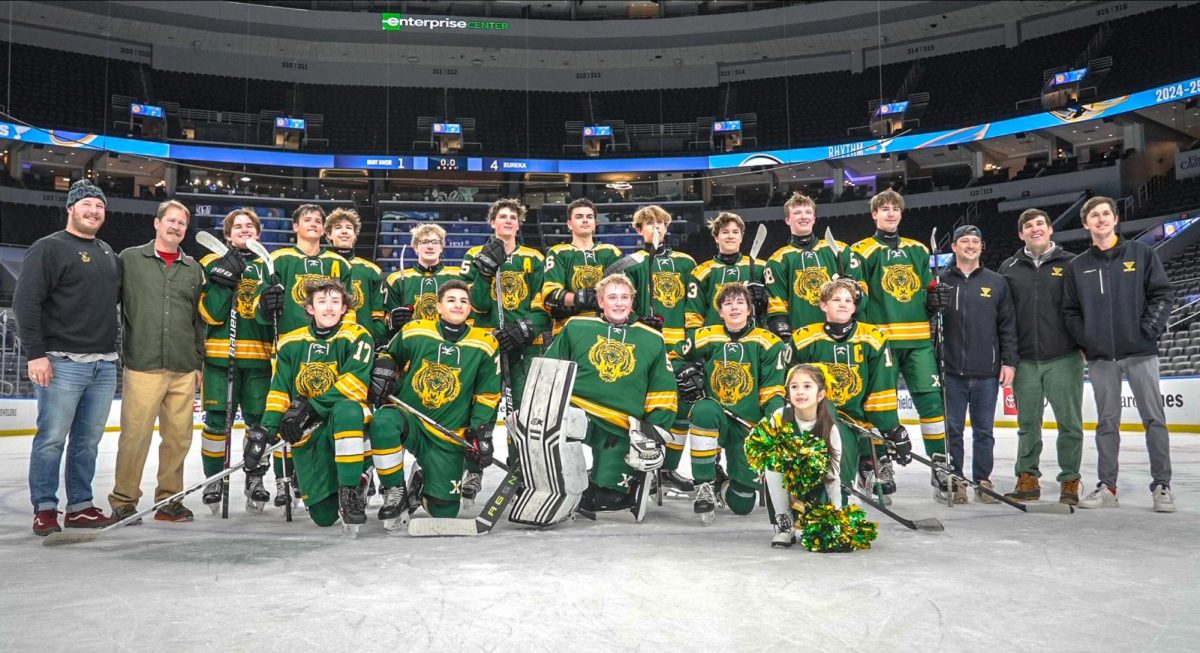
[254, 339]
[569, 268]
[521, 278]
[706, 281]
[417, 287]
[672, 270]
[457, 384]
[622, 372]
[294, 270]
[894, 282]
[366, 296]
[745, 376]
[324, 372]
[794, 277]
[864, 382]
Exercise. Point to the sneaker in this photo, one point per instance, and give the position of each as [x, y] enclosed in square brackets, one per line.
[173, 512]
[1164, 499]
[121, 513]
[1029, 488]
[89, 518]
[1102, 497]
[1069, 492]
[983, 497]
[45, 522]
[785, 531]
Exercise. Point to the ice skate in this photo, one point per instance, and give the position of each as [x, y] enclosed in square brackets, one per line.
[394, 511]
[416, 485]
[940, 481]
[672, 484]
[281, 493]
[212, 497]
[785, 531]
[256, 494]
[472, 483]
[706, 502]
[350, 508]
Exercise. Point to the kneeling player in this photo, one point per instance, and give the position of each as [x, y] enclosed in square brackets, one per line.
[744, 368]
[317, 403]
[622, 376]
[451, 373]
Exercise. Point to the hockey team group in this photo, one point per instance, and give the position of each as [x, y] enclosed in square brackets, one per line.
[778, 377]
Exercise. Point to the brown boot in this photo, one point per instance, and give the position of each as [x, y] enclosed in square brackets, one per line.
[1029, 488]
[1069, 493]
[983, 497]
[960, 492]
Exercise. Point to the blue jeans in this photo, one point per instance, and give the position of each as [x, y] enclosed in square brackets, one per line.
[979, 395]
[76, 402]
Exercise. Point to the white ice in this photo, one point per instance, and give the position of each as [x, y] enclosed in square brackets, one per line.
[1123, 579]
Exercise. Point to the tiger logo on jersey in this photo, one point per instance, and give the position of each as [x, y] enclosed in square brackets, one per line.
[613, 359]
[245, 298]
[808, 284]
[300, 288]
[900, 282]
[668, 288]
[586, 276]
[314, 379]
[425, 306]
[731, 381]
[512, 284]
[436, 384]
[846, 384]
[357, 296]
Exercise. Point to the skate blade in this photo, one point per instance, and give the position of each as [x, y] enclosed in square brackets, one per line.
[780, 544]
[215, 508]
[707, 518]
[350, 530]
[396, 524]
[466, 503]
[255, 507]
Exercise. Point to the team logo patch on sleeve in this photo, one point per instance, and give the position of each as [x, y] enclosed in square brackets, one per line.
[436, 384]
[613, 359]
[900, 282]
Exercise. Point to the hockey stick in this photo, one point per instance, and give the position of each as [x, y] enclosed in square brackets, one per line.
[400, 403]
[837, 251]
[1050, 508]
[78, 535]
[928, 524]
[263, 254]
[215, 246]
[492, 511]
[621, 265]
[939, 353]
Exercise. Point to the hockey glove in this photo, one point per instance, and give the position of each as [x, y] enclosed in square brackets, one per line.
[901, 446]
[479, 445]
[271, 302]
[653, 321]
[490, 257]
[258, 439]
[400, 316]
[515, 335]
[690, 379]
[778, 324]
[758, 297]
[556, 306]
[296, 418]
[938, 298]
[585, 300]
[228, 270]
[383, 379]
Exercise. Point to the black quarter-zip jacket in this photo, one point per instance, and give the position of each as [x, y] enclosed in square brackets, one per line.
[1116, 302]
[980, 324]
[1037, 293]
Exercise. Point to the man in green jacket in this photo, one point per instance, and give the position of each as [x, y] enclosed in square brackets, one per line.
[163, 348]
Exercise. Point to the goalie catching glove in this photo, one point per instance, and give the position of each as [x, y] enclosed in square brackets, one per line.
[647, 449]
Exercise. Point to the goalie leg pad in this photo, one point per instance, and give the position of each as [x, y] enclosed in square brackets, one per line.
[547, 436]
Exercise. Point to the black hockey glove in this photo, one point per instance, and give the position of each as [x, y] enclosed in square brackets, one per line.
[515, 335]
[490, 257]
[400, 316]
[271, 301]
[690, 379]
[228, 270]
[901, 445]
[296, 418]
[258, 440]
[585, 300]
[556, 306]
[778, 324]
[383, 379]
[479, 445]
[758, 297]
[938, 298]
[653, 321]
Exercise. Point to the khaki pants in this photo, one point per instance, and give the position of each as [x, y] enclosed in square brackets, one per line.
[167, 396]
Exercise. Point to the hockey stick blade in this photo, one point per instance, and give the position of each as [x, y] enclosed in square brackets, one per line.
[927, 524]
[621, 265]
[760, 237]
[492, 511]
[211, 243]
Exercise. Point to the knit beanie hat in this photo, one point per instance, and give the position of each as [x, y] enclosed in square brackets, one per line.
[82, 189]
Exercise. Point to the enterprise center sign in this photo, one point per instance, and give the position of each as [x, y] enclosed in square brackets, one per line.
[394, 22]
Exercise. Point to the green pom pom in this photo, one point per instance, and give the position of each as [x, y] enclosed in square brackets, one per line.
[826, 529]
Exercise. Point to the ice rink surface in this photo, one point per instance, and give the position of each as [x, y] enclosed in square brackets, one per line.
[1123, 579]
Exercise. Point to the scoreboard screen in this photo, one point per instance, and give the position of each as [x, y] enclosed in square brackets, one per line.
[1068, 77]
[727, 126]
[283, 122]
[447, 163]
[447, 128]
[148, 110]
[893, 107]
[597, 131]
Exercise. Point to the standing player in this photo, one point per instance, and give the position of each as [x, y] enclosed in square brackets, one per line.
[366, 279]
[744, 368]
[660, 303]
[232, 284]
[894, 273]
[321, 374]
[281, 302]
[797, 271]
[412, 294]
[622, 373]
[862, 382]
[450, 372]
[573, 269]
[728, 266]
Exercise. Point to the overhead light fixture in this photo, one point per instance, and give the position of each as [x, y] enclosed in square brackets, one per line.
[245, 178]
